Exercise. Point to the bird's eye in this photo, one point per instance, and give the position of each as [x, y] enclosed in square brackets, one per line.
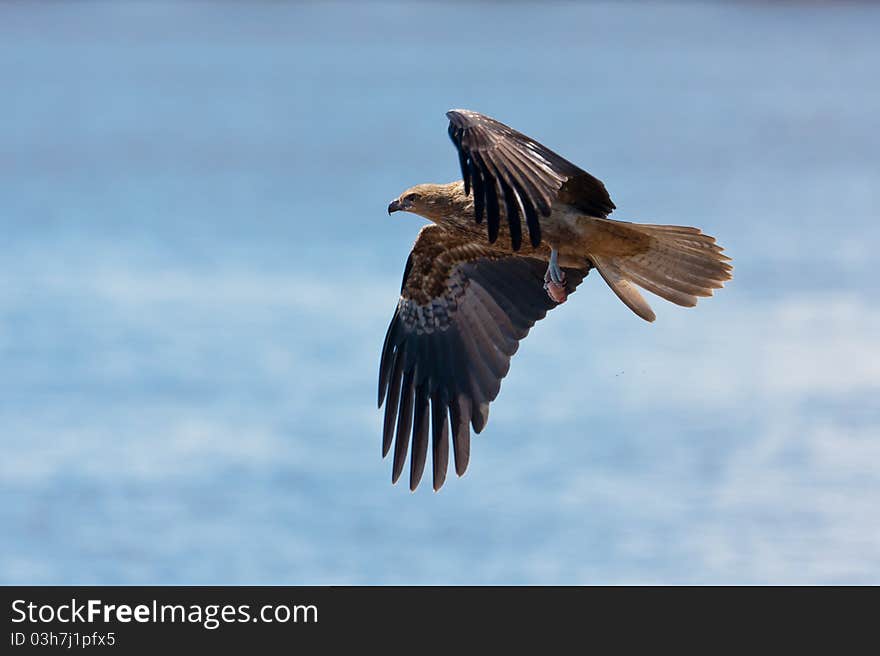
[411, 198]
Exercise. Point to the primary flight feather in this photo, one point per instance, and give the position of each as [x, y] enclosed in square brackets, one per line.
[471, 292]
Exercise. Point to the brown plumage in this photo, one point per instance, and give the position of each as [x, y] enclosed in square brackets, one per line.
[470, 294]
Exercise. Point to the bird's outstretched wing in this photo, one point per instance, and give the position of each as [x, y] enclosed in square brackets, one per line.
[498, 162]
[462, 310]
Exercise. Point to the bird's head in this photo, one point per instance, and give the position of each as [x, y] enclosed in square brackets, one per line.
[432, 201]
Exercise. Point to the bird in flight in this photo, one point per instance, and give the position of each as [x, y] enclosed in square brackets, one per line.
[507, 243]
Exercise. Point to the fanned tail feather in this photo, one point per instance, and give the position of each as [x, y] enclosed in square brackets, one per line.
[681, 264]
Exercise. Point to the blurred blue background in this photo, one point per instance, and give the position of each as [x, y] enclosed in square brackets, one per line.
[197, 272]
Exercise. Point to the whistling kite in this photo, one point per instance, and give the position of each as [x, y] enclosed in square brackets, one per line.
[470, 293]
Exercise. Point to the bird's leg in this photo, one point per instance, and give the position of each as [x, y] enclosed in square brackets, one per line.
[554, 279]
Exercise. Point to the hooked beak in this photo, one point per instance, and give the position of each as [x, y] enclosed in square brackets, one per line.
[394, 206]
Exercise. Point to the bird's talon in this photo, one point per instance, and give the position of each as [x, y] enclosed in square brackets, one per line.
[556, 291]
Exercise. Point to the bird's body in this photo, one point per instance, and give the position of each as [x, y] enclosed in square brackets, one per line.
[572, 232]
[471, 291]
